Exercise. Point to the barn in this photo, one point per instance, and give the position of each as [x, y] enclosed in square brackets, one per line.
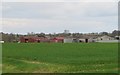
[87, 38]
[32, 39]
[104, 38]
[57, 39]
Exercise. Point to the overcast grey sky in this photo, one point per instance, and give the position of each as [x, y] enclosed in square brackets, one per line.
[50, 17]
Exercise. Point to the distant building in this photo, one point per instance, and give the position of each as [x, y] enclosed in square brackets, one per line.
[87, 38]
[68, 40]
[82, 38]
[76, 40]
[33, 39]
[117, 37]
[104, 38]
[57, 40]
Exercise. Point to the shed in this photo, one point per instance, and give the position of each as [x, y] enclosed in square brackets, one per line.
[87, 38]
[33, 39]
[68, 40]
[104, 38]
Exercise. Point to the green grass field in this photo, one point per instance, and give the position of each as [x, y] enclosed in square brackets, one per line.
[60, 58]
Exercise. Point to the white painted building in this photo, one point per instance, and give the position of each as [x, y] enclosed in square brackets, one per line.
[87, 40]
[68, 40]
[104, 38]
[117, 37]
[81, 40]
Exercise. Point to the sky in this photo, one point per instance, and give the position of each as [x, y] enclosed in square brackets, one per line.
[55, 17]
[60, 0]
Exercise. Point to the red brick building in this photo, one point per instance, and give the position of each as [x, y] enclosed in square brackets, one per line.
[57, 39]
[32, 39]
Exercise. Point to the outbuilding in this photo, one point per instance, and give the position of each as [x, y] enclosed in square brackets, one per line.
[104, 38]
[57, 39]
[33, 39]
[68, 40]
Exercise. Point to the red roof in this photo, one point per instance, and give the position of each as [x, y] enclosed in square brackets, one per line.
[33, 37]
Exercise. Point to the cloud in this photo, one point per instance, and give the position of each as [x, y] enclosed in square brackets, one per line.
[51, 10]
[60, 0]
[52, 17]
[50, 26]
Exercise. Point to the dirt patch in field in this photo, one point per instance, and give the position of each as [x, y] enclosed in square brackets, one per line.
[35, 62]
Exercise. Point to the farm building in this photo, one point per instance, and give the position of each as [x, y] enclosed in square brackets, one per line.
[33, 39]
[57, 39]
[104, 38]
[84, 38]
[117, 37]
[76, 40]
[87, 38]
[68, 40]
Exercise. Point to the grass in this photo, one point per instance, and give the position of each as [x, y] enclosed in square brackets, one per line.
[60, 58]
